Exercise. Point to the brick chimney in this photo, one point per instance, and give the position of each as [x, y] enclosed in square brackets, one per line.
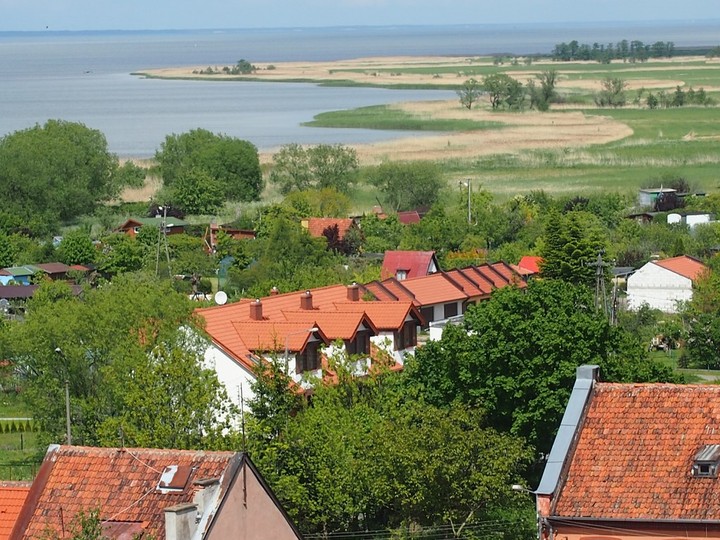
[256, 310]
[353, 292]
[306, 300]
[274, 291]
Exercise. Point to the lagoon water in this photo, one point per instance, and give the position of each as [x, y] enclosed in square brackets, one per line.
[86, 76]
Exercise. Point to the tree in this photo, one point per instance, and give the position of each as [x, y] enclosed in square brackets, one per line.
[197, 192]
[504, 91]
[407, 185]
[128, 358]
[571, 242]
[322, 166]
[517, 354]
[233, 163]
[76, 248]
[469, 93]
[329, 462]
[7, 251]
[541, 97]
[612, 93]
[57, 172]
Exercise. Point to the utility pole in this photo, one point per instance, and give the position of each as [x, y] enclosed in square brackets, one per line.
[68, 433]
[468, 183]
[162, 237]
[600, 292]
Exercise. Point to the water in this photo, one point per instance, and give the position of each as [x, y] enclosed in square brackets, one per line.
[85, 76]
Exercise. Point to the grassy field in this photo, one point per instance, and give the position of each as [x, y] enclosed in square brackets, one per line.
[19, 450]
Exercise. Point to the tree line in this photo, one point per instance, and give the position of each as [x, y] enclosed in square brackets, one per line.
[627, 51]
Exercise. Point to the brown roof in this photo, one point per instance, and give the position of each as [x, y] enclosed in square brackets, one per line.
[316, 226]
[634, 455]
[121, 483]
[12, 498]
[53, 268]
[688, 267]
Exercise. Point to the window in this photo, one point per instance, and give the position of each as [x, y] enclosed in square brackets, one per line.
[406, 337]
[705, 464]
[308, 360]
[401, 274]
[428, 313]
[360, 345]
[450, 310]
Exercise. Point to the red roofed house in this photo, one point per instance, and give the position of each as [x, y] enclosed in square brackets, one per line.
[408, 264]
[295, 326]
[163, 494]
[530, 263]
[445, 296]
[633, 461]
[12, 499]
[316, 226]
[662, 284]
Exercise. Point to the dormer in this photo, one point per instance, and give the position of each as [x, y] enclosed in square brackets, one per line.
[706, 462]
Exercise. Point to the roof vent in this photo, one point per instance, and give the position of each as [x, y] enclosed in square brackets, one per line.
[706, 462]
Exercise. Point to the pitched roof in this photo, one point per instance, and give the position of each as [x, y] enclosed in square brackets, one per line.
[122, 483]
[12, 498]
[414, 263]
[53, 267]
[316, 226]
[20, 271]
[688, 267]
[530, 262]
[408, 217]
[170, 221]
[635, 452]
[434, 289]
[275, 335]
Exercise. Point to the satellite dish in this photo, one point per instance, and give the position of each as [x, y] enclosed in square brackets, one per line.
[220, 298]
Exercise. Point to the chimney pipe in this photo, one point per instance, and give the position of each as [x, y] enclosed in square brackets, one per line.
[353, 292]
[306, 301]
[274, 291]
[256, 310]
[180, 521]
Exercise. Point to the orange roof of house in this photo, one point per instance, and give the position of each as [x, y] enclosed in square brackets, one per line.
[339, 324]
[121, 483]
[275, 335]
[12, 498]
[688, 267]
[414, 263]
[316, 226]
[434, 289]
[634, 455]
[530, 262]
[384, 315]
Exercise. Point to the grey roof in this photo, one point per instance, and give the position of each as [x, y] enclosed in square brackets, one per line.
[586, 376]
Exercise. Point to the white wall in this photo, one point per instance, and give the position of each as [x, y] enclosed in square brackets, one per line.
[657, 287]
[231, 374]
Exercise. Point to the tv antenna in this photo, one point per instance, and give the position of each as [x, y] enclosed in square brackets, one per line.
[162, 240]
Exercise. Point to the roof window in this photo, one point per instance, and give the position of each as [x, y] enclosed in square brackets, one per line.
[174, 478]
[706, 461]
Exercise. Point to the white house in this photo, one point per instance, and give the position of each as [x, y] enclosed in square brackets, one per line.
[662, 284]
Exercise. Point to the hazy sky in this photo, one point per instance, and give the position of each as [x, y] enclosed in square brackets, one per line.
[187, 14]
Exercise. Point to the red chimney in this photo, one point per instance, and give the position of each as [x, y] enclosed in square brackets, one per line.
[274, 291]
[353, 292]
[306, 300]
[256, 310]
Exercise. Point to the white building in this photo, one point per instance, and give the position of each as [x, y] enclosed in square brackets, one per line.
[662, 284]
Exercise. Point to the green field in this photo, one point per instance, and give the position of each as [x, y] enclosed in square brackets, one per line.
[19, 449]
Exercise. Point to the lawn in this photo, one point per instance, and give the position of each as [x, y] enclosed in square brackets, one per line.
[19, 450]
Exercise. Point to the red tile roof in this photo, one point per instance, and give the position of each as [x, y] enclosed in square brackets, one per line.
[530, 262]
[276, 335]
[434, 289]
[316, 226]
[635, 452]
[414, 263]
[12, 498]
[121, 483]
[408, 217]
[688, 267]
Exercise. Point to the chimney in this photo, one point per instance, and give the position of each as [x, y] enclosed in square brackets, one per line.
[256, 310]
[306, 301]
[205, 497]
[353, 292]
[274, 291]
[180, 521]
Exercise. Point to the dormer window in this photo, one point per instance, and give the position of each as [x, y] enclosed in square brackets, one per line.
[707, 462]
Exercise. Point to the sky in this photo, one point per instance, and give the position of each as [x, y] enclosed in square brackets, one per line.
[36, 15]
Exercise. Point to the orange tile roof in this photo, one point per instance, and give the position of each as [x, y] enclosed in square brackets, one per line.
[384, 315]
[530, 262]
[121, 483]
[316, 226]
[688, 267]
[434, 289]
[275, 335]
[635, 451]
[470, 286]
[334, 324]
[12, 498]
